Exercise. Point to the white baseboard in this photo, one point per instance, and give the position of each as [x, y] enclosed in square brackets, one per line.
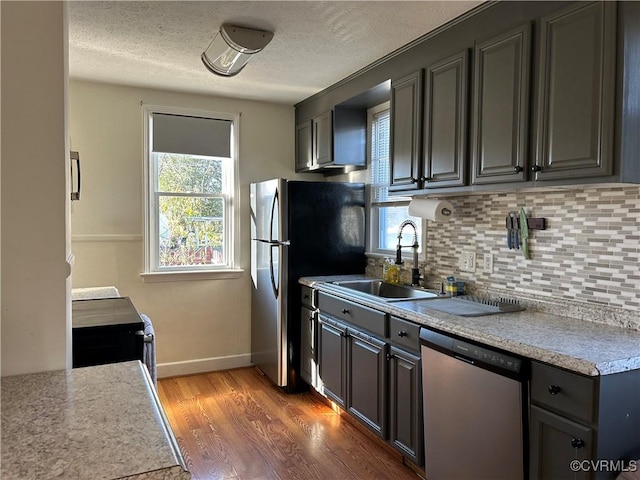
[203, 365]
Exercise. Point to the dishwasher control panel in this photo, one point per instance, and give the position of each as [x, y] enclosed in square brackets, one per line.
[487, 356]
[470, 352]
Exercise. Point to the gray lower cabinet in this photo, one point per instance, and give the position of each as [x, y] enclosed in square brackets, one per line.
[576, 90]
[445, 122]
[405, 404]
[332, 359]
[589, 419]
[406, 129]
[501, 107]
[367, 380]
[308, 342]
[555, 443]
[370, 366]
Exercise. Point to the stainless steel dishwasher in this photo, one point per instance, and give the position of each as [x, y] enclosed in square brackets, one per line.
[474, 401]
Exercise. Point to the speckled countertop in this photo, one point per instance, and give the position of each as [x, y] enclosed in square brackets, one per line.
[90, 423]
[581, 346]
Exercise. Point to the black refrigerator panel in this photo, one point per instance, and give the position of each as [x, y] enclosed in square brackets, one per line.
[326, 227]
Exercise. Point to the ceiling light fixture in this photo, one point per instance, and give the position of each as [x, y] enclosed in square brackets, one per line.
[232, 47]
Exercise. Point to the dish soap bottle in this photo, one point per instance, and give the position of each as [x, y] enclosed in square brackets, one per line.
[394, 274]
[385, 270]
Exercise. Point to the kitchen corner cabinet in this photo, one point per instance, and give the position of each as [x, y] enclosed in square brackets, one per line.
[406, 130]
[574, 417]
[501, 107]
[576, 89]
[445, 122]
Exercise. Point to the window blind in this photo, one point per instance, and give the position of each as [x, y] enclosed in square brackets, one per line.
[207, 137]
[380, 172]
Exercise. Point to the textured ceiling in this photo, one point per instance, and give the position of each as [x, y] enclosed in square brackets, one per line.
[158, 44]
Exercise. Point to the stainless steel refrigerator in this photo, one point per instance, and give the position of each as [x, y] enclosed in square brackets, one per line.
[297, 229]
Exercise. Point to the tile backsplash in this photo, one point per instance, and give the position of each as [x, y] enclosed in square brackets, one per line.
[589, 252]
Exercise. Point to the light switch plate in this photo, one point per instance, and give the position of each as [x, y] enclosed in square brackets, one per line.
[488, 263]
[468, 262]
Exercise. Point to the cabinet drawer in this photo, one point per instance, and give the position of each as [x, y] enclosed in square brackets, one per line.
[307, 296]
[405, 333]
[357, 315]
[563, 391]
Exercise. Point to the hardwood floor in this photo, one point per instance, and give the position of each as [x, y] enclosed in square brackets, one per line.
[236, 424]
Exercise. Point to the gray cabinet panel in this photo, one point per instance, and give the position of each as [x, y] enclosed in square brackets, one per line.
[576, 93]
[366, 381]
[308, 342]
[555, 442]
[445, 122]
[405, 402]
[304, 158]
[406, 126]
[501, 107]
[322, 138]
[332, 347]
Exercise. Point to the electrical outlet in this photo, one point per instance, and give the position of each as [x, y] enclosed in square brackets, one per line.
[488, 263]
[468, 262]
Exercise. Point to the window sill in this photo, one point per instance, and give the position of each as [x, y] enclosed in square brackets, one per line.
[155, 277]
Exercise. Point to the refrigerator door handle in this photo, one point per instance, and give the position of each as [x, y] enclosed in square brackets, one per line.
[276, 290]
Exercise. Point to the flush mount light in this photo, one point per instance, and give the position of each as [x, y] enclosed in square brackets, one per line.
[232, 47]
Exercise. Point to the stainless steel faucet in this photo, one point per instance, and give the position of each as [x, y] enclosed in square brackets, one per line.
[415, 271]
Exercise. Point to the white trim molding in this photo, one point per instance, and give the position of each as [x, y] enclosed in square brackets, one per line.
[203, 365]
[107, 237]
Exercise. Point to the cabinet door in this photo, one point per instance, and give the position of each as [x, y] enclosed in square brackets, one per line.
[555, 443]
[304, 154]
[323, 138]
[501, 107]
[405, 405]
[366, 381]
[332, 356]
[576, 93]
[406, 125]
[308, 342]
[445, 122]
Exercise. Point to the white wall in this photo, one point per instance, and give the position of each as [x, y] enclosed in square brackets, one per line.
[35, 289]
[205, 323]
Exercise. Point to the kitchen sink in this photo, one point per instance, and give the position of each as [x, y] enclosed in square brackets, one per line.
[386, 291]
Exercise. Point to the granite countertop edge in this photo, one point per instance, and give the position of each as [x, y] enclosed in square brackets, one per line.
[577, 345]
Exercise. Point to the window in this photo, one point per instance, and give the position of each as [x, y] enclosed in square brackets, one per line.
[190, 170]
[386, 213]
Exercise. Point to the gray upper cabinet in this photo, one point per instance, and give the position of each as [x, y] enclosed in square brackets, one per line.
[501, 107]
[576, 88]
[445, 122]
[304, 153]
[322, 138]
[406, 127]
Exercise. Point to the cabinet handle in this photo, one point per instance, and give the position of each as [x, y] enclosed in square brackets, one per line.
[402, 333]
[345, 311]
[577, 443]
[425, 179]
[517, 169]
[413, 180]
[390, 356]
[536, 168]
[554, 389]
[311, 318]
[305, 296]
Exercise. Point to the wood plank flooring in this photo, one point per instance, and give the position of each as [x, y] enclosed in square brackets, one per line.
[236, 424]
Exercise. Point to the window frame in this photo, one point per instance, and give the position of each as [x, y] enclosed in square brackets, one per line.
[153, 272]
[375, 207]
